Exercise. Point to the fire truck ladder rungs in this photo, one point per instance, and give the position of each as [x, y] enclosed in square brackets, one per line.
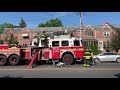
[35, 56]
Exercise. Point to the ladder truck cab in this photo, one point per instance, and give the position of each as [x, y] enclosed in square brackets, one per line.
[62, 48]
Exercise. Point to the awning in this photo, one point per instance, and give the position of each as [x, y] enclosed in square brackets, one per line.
[24, 35]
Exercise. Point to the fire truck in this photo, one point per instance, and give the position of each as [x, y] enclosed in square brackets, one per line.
[61, 48]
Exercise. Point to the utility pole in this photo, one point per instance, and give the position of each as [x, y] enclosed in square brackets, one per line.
[81, 18]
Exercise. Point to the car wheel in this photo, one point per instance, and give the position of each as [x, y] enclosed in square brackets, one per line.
[97, 60]
[118, 59]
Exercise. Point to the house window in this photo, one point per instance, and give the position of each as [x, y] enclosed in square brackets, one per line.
[25, 36]
[106, 34]
[88, 43]
[89, 34]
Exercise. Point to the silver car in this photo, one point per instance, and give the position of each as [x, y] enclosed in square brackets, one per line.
[107, 56]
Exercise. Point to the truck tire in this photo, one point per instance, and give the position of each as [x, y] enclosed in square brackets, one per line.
[68, 59]
[3, 60]
[14, 60]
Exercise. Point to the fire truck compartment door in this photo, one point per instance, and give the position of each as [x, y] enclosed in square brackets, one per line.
[55, 52]
[78, 52]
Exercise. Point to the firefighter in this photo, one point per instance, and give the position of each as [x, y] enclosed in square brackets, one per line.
[43, 38]
[92, 55]
[87, 57]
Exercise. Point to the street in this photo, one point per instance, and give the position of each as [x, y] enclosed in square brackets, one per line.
[103, 70]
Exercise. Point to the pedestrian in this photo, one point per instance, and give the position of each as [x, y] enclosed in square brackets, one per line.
[119, 51]
[87, 57]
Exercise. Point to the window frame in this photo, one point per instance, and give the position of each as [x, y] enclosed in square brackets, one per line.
[65, 41]
[106, 34]
[89, 34]
[74, 43]
[56, 45]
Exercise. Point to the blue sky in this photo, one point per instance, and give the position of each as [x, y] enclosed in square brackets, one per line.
[68, 18]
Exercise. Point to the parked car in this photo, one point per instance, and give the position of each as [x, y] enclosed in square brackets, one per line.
[107, 56]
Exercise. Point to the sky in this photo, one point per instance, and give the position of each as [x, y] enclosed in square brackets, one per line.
[68, 18]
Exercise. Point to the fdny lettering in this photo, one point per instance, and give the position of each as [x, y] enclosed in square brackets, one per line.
[56, 50]
[78, 49]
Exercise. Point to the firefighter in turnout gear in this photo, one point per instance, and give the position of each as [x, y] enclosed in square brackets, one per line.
[87, 57]
[43, 38]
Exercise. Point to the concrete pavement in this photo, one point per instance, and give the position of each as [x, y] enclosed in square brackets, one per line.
[103, 70]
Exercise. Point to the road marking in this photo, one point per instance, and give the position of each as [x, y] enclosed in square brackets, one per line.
[85, 69]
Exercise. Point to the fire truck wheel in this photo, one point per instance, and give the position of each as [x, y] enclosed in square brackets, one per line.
[3, 60]
[14, 60]
[68, 59]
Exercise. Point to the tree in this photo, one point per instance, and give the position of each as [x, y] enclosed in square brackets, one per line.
[1, 28]
[5, 25]
[41, 25]
[115, 40]
[22, 24]
[51, 23]
[11, 40]
[8, 25]
[1, 41]
[94, 48]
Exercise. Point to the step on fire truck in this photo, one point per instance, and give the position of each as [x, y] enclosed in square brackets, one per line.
[61, 48]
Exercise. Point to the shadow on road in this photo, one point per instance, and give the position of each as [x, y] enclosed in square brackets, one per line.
[117, 75]
[11, 76]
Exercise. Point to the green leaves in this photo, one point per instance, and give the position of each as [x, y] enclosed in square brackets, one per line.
[94, 48]
[11, 40]
[1, 41]
[51, 23]
[115, 40]
[22, 24]
[8, 25]
[5, 25]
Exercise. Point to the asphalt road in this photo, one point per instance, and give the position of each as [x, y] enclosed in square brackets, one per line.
[103, 70]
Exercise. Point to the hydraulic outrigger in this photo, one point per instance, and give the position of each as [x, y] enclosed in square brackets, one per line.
[35, 56]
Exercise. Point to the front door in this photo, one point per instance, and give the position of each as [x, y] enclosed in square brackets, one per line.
[101, 45]
[104, 57]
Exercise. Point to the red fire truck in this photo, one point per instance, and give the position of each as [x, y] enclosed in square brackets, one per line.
[62, 48]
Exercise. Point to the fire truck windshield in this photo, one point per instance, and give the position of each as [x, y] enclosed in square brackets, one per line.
[76, 43]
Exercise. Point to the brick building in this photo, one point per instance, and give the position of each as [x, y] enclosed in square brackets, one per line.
[90, 34]
[100, 34]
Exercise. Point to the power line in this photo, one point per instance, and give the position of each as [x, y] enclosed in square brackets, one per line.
[60, 18]
[28, 19]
